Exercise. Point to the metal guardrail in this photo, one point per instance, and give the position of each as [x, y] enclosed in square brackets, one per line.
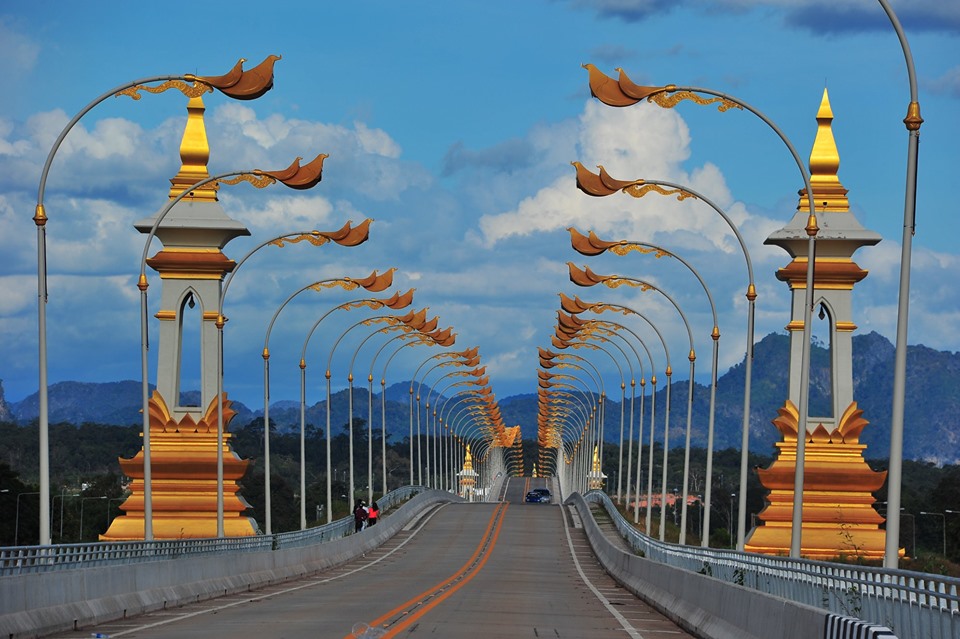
[912, 604]
[18, 560]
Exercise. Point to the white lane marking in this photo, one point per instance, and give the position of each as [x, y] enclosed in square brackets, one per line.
[630, 630]
[278, 592]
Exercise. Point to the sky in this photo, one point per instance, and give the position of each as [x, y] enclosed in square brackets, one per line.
[453, 125]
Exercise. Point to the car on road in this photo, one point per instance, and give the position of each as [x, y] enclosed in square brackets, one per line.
[538, 496]
[532, 497]
[545, 496]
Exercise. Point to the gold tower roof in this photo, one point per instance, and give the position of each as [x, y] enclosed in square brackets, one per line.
[828, 192]
[194, 155]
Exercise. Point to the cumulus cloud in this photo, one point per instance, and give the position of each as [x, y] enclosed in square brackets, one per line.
[947, 84]
[631, 144]
[817, 16]
[18, 52]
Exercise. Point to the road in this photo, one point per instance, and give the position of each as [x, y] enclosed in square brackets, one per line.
[491, 570]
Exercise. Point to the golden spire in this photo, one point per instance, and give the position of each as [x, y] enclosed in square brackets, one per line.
[468, 460]
[828, 192]
[194, 154]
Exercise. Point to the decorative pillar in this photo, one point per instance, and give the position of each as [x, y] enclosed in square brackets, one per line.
[596, 477]
[183, 429]
[838, 518]
[468, 477]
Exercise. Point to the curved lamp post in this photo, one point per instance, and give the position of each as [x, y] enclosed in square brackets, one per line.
[418, 340]
[237, 84]
[468, 358]
[601, 184]
[891, 557]
[623, 92]
[577, 306]
[592, 245]
[587, 278]
[374, 282]
[601, 325]
[399, 324]
[569, 327]
[396, 301]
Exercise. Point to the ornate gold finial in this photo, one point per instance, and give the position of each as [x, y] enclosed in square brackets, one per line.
[194, 155]
[828, 192]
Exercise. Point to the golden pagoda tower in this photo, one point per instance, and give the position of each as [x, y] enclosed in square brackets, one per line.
[838, 517]
[595, 477]
[468, 476]
[183, 431]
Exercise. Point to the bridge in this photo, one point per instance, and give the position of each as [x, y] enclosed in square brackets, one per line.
[439, 566]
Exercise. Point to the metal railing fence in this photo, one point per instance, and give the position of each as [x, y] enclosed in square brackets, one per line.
[16, 560]
[912, 604]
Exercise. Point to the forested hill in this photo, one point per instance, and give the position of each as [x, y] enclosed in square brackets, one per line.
[932, 403]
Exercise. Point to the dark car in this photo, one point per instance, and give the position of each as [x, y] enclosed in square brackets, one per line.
[533, 497]
[545, 495]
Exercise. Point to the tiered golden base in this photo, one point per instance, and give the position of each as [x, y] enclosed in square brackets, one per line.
[183, 469]
[838, 517]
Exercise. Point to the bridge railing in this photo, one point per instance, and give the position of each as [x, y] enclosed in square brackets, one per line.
[912, 604]
[17, 560]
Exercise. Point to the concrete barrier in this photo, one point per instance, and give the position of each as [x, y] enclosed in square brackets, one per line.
[702, 605]
[35, 605]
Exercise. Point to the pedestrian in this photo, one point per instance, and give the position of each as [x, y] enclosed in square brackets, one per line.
[373, 514]
[359, 516]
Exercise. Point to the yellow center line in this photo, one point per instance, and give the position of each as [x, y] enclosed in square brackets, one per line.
[484, 541]
[410, 619]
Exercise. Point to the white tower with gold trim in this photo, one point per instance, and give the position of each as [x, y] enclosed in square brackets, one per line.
[837, 518]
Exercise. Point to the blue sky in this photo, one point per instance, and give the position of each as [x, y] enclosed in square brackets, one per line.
[452, 125]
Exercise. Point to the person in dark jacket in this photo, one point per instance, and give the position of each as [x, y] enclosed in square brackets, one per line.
[359, 515]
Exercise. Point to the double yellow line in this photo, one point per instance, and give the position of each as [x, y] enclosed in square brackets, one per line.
[404, 615]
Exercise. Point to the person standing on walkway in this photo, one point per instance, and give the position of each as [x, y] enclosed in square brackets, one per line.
[359, 516]
[373, 514]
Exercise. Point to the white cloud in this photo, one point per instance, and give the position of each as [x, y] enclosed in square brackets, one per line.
[18, 51]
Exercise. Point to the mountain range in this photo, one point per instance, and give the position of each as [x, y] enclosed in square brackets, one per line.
[930, 411]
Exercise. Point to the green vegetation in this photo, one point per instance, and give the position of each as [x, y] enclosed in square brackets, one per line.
[85, 484]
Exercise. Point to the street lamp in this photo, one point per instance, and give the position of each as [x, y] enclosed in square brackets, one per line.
[419, 338]
[576, 306]
[410, 322]
[587, 277]
[353, 237]
[601, 184]
[237, 84]
[82, 501]
[623, 92]
[468, 358]
[592, 245]
[570, 326]
[895, 467]
[16, 530]
[943, 520]
[62, 497]
[374, 282]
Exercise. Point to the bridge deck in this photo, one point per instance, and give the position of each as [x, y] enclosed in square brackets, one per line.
[461, 570]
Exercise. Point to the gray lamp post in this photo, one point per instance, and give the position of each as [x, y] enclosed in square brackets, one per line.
[237, 84]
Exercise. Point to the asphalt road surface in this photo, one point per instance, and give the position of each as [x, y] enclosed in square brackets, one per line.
[491, 570]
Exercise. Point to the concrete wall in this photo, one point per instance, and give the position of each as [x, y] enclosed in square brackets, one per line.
[40, 604]
[702, 605]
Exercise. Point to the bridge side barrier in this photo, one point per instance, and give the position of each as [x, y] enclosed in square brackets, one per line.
[495, 493]
[703, 605]
[38, 603]
[840, 627]
[912, 604]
